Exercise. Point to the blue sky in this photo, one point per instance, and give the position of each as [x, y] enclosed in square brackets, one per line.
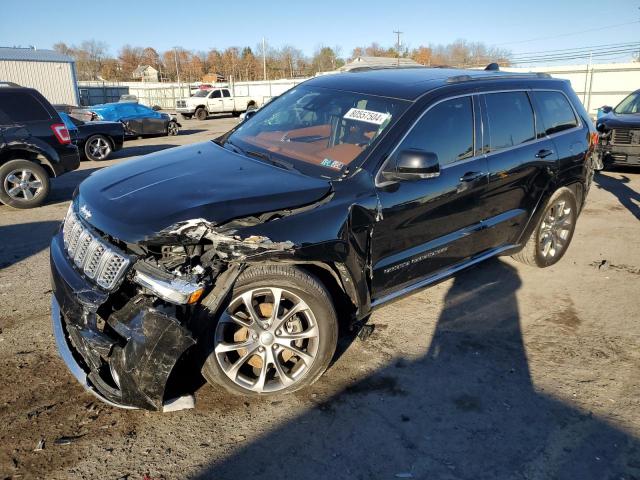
[195, 25]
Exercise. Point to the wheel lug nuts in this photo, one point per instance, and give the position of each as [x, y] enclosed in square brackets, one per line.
[275, 346]
[278, 332]
[261, 349]
[255, 336]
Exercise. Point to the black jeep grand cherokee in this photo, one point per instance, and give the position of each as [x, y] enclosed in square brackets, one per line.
[345, 193]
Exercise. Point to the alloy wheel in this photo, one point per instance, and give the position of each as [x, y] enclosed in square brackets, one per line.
[172, 128]
[99, 148]
[555, 230]
[23, 184]
[266, 340]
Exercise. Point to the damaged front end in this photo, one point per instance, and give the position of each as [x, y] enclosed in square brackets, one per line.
[124, 315]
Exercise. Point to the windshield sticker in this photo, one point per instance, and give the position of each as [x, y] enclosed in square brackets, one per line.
[336, 165]
[368, 116]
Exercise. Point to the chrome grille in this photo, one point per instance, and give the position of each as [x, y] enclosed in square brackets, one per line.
[99, 261]
[181, 103]
[625, 136]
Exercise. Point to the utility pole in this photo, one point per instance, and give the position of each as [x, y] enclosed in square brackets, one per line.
[175, 57]
[264, 59]
[398, 33]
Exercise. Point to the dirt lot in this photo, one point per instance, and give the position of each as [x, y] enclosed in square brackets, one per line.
[503, 372]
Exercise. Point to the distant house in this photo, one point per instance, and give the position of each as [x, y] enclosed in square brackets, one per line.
[373, 62]
[212, 78]
[146, 73]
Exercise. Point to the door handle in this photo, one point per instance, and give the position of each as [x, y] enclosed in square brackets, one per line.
[472, 176]
[544, 153]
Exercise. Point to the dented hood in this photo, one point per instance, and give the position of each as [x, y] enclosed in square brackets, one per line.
[135, 200]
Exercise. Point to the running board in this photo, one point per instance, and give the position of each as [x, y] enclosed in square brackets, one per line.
[440, 276]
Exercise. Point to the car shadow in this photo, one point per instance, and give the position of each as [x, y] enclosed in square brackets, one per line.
[62, 187]
[20, 241]
[192, 131]
[627, 196]
[468, 409]
[136, 150]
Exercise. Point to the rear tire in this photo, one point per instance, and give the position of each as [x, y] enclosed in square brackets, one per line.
[201, 114]
[249, 355]
[23, 184]
[172, 128]
[551, 238]
[98, 148]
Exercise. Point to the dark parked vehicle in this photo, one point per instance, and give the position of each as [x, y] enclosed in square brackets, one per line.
[34, 145]
[95, 140]
[138, 120]
[619, 130]
[241, 256]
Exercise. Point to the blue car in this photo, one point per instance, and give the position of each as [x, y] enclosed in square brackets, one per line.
[138, 120]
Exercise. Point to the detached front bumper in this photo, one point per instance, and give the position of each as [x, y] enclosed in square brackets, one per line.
[125, 359]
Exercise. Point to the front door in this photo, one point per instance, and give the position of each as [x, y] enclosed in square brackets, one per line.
[214, 102]
[430, 224]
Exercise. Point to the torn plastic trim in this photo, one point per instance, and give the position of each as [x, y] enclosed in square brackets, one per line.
[227, 243]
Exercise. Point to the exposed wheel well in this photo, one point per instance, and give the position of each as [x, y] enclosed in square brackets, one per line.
[26, 155]
[326, 275]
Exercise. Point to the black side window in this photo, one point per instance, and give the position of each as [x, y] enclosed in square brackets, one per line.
[21, 107]
[510, 119]
[226, 94]
[555, 111]
[215, 94]
[446, 130]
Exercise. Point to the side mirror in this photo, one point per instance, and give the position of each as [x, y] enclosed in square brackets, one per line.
[416, 164]
[606, 109]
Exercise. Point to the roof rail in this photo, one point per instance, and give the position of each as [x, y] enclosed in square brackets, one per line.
[502, 75]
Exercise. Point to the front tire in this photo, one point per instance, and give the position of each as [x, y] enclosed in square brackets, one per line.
[277, 335]
[97, 148]
[201, 114]
[23, 184]
[186, 116]
[551, 238]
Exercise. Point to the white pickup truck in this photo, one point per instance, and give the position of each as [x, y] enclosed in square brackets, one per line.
[207, 102]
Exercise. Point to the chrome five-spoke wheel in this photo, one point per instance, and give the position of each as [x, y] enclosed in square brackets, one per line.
[266, 340]
[98, 148]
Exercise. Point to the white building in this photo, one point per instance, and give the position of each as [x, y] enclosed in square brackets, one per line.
[51, 73]
[146, 73]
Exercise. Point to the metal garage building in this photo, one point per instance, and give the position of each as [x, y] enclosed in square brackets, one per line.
[50, 72]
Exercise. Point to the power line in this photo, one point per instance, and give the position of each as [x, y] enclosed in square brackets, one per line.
[568, 50]
[547, 58]
[568, 34]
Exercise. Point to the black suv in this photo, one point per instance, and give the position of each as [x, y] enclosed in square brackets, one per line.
[34, 145]
[345, 193]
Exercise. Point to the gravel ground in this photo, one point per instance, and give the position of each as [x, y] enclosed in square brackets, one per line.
[502, 372]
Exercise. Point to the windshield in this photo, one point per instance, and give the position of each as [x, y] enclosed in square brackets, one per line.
[631, 104]
[317, 130]
[201, 93]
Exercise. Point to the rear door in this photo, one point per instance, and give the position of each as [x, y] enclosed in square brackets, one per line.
[430, 224]
[520, 160]
[227, 100]
[152, 122]
[22, 107]
[214, 102]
